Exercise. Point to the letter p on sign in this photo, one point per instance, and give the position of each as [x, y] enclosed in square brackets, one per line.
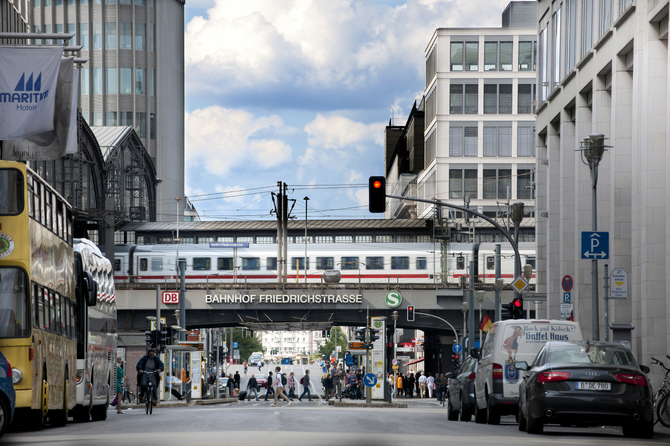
[170, 297]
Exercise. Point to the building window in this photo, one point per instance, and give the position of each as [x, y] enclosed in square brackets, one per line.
[97, 35]
[83, 35]
[544, 62]
[525, 56]
[111, 84]
[455, 99]
[525, 141]
[152, 133]
[110, 35]
[456, 56]
[97, 80]
[557, 47]
[496, 183]
[152, 37]
[325, 262]
[202, 240]
[471, 56]
[153, 82]
[261, 239]
[504, 141]
[343, 239]
[110, 2]
[141, 125]
[47, 29]
[126, 35]
[462, 182]
[525, 99]
[126, 118]
[506, 56]
[140, 2]
[523, 183]
[140, 81]
[463, 141]
[423, 239]
[456, 141]
[225, 239]
[140, 36]
[97, 119]
[587, 26]
[323, 239]
[110, 119]
[72, 28]
[374, 263]
[83, 80]
[471, 98]
[570, 54]
[245, 238]
[363, 239]
[490, 99]
[505, 99]
[491, 56]
[126, 77]
[470, 141]
[490, 141]
[384, 239]
[125, 2]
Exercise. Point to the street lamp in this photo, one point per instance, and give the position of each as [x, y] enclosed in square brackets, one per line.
[394, 316]
[305, 240]
[464, 310]
[480, 299]
[592, 150]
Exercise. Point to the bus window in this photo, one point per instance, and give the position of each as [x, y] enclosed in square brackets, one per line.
[63, 315]
[52, 313]
[59, 220]
[202, 264]
[68, 225]
[156, 264]
[40, 302]
[39, 214]
[11, 192]
[31, 197]
[15, 304]
[48, 197]
[144, 264]
[56, 302]
[73, 321]
[35, 296]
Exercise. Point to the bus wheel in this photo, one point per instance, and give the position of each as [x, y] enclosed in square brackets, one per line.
[99, 412]
[59, 418]
[39, 416]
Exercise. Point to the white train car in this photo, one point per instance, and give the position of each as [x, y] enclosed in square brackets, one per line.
[364, 262]
[486, 260]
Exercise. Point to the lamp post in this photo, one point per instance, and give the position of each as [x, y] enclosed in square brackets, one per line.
[394, 315]
[480, 299]
[305, 240]
[464, 310]
[592, 150]
[181, 270]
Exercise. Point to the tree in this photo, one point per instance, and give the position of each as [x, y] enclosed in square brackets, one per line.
[247, 345]
[337, 337]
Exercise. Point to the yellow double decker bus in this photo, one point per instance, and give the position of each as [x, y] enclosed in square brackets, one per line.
[37, 296]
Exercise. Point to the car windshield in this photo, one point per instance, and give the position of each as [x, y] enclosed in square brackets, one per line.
[590, 354]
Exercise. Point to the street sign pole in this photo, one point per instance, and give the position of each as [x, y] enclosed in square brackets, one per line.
[607, 306]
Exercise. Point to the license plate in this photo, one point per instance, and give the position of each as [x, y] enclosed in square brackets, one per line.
[581, 385]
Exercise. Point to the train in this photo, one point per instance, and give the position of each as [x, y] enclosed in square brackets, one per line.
[356, 262]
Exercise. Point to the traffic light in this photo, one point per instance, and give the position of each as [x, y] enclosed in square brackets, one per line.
[244, 332]
[410, 313]
[149, 339]
[517, 308]
[163, 338]
[360, 334]
[377, 195]
[323, 333]
[456, 360]
[374, 334]
[328, 333]
[507, 311]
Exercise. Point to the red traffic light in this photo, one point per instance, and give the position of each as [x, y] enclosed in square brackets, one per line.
[517, 303]
[377, 184]
[455, 356]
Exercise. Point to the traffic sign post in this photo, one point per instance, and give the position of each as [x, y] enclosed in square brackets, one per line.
[566, 298]
[566, 310]
[370, 380]
[457, 348]
[619, 284]
[595, 245]
[567, 283]
[535, 297]
[520, 284]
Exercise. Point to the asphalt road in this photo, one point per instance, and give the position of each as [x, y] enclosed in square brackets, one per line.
[424, 422]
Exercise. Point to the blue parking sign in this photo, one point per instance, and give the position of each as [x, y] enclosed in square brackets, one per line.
[566, 298]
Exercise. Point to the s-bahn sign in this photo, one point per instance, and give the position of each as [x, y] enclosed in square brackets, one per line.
[280, 298]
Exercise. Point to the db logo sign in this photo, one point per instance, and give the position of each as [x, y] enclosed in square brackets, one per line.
[170, 297]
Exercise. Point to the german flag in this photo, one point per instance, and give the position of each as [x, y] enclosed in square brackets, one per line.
[486, 323]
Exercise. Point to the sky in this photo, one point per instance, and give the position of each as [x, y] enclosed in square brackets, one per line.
[300, 91]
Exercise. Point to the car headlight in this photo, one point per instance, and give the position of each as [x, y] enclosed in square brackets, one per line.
[80, 375]
[17, 376]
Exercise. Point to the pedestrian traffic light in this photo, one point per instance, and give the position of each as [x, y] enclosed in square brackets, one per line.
[377, 194]
[149, 339]
[517, 308]
[360, 334]
[507, 311]
[410, 313]
[375, 334]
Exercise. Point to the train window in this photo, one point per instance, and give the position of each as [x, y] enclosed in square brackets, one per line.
[421, 263]
[374, 263]
[299, 263]
[224, 264]
[251, 263]
[271, 264]
[157, 264]
[460, 262]
[144, 264]
[349, 263]
[531, 261]
[490, 262]
[202, 264]
[399, 262]
[117, 264]
[325, 262]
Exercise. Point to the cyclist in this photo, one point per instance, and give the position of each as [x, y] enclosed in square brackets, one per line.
[150, 363]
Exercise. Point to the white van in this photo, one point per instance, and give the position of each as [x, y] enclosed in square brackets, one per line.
[507, 342]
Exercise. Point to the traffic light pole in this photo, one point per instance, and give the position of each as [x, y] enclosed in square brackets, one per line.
[458, 340]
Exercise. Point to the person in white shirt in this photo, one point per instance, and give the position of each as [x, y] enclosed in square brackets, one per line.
[279, 392]
[422, 385]
[430, 382]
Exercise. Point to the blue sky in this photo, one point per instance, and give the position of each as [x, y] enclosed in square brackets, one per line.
[300, 91]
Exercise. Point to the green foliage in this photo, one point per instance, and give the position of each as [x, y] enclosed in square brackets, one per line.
[337, 337]
[246, 345]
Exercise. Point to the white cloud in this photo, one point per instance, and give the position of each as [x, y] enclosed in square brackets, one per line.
[220, 139]
[316, 46]
[338, 132]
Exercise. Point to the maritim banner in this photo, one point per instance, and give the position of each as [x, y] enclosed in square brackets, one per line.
[28, 79]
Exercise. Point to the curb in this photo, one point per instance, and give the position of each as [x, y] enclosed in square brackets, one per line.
[211, 402]
[373, 405]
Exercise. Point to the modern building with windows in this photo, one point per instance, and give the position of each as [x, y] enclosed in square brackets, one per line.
[479, 122]
[603, 68]
[134, 76]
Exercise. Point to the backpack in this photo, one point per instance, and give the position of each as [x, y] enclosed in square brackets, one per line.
[302, 380]
[283, 379]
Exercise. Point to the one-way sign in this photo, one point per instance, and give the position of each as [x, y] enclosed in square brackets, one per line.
[595, 245]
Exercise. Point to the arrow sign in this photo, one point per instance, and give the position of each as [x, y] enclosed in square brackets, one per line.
[370, 380]
[595, 245]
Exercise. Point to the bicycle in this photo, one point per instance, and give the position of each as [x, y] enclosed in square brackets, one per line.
[149, 394]
[659, 398]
